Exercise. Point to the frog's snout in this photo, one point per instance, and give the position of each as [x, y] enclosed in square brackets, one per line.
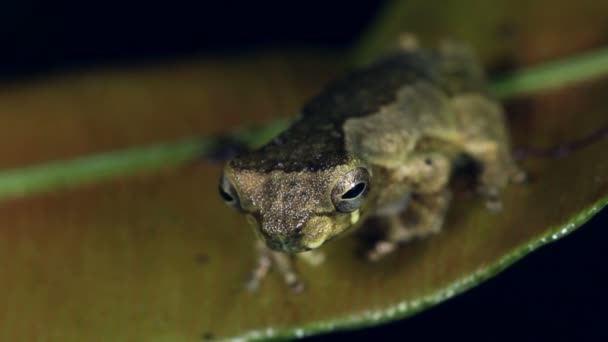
[279, 245]
[283, 242]
[309, 235]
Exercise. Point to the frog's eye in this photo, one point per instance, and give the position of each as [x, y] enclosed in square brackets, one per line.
[350, 191]
[228, 193]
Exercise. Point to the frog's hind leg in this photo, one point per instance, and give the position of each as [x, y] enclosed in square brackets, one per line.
[486, 140]
[424, 215]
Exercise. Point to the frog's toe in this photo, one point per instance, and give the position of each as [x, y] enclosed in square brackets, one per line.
[491, 197]
[252, 284]
[259, 272]
[408, 41]
[494, 204]
[295, 284]
[492, 200]
[381, 249]
[518, 176]
[279, 262]
[291, 279]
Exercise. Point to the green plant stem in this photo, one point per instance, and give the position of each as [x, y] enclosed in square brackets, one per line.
[552, 74]
[97, 167]
[45, 177]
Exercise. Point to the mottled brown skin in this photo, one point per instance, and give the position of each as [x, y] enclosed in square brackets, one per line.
[398, 127]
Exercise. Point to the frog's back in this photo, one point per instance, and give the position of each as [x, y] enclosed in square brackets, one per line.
[317, 140]
[452, 69]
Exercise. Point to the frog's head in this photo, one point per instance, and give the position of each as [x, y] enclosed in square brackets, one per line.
[297, 211]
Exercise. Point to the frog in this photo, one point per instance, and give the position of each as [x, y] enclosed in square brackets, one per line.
[382, 142]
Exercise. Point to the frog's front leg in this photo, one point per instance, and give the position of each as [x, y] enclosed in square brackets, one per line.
[282, 262]
[284, 265]
[424, 213]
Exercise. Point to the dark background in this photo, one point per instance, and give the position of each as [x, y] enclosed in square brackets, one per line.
[555, 292]
[40, 36]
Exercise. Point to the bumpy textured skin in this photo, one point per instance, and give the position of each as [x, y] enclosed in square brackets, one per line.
[406, 119]
[315, 141]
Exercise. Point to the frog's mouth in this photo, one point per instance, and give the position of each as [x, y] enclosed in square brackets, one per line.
[295, 242]
[278, 244]
[301, 236]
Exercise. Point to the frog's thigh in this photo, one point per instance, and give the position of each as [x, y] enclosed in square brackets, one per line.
[424, 215]
[485, 139]
[425, 172]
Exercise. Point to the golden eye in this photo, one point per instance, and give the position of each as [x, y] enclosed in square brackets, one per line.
[350, 192]
[228, 193]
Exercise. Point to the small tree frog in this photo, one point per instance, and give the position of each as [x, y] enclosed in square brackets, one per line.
[381, 141]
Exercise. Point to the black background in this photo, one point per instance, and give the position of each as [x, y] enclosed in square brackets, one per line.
[41, 36]
[556, 292]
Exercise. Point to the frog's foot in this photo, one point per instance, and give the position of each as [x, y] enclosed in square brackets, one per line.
[517, 175]
[423, 216]
[283, 263]
[497, 171]
[408, 42]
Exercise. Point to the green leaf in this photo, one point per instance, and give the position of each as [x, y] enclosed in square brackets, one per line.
[157, 256]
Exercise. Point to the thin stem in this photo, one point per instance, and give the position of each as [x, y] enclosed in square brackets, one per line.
[552, 74]
[57, 174]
